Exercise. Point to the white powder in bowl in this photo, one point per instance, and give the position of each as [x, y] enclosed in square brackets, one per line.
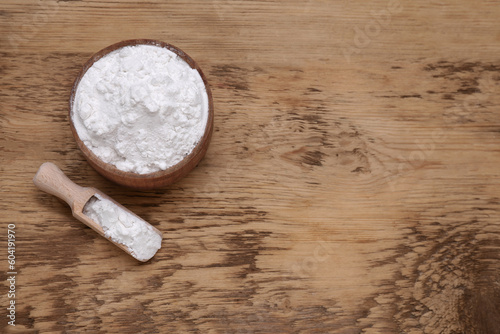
[141, 108]
[123, 227]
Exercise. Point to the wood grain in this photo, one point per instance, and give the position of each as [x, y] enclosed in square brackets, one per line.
[351, 185]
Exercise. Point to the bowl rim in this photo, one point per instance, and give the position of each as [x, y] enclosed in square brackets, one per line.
[132, 179]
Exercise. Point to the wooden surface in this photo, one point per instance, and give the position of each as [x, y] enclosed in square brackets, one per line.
[351, 186]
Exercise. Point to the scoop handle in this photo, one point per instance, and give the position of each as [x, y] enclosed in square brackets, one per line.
[52, 180]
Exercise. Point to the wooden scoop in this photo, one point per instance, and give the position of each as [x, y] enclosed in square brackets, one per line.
[52, 180]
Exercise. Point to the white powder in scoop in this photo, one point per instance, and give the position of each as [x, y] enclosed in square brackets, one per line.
[141, 108]
[123, 227]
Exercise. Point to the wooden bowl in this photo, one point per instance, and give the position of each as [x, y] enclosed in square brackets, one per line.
[157, 179]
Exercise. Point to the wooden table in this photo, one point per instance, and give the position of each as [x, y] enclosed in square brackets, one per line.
[351, 185]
